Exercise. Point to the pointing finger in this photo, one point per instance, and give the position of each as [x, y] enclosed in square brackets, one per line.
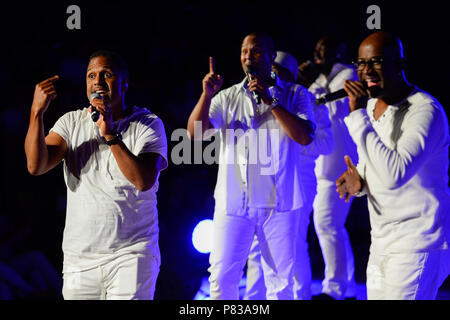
[349, 162]
[49, 80]
[52, 79]
[212, 68]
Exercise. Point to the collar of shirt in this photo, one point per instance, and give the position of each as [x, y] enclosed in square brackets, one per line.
[391, 109]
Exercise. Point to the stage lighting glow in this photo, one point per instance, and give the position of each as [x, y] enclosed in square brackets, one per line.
[202, 236]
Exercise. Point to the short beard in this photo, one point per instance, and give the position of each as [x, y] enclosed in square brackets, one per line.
[375, 92]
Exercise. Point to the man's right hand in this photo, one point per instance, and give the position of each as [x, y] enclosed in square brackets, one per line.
[44, 93]
[212, 81]
[358, 94]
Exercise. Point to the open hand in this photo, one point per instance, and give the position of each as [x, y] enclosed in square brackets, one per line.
[349, 182]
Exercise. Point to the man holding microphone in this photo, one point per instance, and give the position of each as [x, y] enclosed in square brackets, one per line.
[251, 200]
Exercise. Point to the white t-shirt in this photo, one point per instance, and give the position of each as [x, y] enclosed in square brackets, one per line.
[107, 216]
[403, 159]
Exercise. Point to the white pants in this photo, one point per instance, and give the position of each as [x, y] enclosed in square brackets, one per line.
[232, 239]
[330, 214]
[129, 277]
[406, 276]
[255, 287]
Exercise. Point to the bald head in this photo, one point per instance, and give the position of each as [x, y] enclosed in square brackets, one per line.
[385, 43]
[381, 65]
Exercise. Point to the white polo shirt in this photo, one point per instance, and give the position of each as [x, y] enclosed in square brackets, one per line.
[106, 214]
[404, 163]
[274, 180]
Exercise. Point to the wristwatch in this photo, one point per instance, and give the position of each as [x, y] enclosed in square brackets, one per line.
[275, 98]
[275, 102]
[114, 140]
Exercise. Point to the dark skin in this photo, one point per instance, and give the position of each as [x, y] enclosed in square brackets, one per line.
[325, 56]
[254, 52]
[386, 83]
[45, 152]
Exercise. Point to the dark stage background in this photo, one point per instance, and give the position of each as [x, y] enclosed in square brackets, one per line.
[167, 45]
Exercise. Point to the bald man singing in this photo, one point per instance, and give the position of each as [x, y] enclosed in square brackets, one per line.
[402, 137]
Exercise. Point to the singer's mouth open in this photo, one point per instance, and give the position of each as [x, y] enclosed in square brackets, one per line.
[102, 92]
[372, 82]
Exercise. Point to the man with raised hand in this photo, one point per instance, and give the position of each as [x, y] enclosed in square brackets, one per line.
[111, 169]
[259, 118]
[285, 66]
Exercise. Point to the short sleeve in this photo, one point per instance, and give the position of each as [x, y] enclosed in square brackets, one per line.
[152, 138]
[216, 110]
[302, 105]
[63, 126]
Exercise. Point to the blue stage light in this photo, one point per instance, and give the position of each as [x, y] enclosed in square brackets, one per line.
[202, 236]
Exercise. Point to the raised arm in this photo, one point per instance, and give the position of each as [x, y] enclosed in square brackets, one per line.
[211, 84]
[43, 153]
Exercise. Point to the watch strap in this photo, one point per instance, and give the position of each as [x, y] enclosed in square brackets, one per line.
[114, 140]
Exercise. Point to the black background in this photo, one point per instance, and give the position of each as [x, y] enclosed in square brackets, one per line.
[166, 45]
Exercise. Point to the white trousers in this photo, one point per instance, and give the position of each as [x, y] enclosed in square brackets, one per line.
[406, 276]
[330, 214]
[232, 239]
[255, 287]
[129, 277]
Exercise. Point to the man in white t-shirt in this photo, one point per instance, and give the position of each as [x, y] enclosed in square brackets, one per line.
[111, 169]
[402, 137]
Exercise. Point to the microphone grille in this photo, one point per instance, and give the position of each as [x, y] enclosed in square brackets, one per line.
[250, 69]
[95, 95]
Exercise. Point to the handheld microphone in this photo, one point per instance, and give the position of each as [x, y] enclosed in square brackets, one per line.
[335, 95]
[95, 114]
[331, 96]
[250, 71]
